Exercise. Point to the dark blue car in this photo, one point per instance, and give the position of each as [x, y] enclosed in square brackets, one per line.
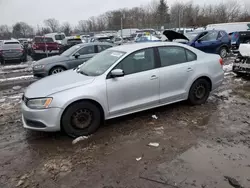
[214, 41]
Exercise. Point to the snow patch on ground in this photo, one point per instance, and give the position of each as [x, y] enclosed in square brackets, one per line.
[228, 68]
[14, 67]
[17, 78]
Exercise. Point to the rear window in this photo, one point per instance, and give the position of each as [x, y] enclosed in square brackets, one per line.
[43, 40]
[11, 43]
[11, 46]
[59, 37]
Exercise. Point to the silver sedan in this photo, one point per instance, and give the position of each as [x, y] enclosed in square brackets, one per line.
[119, 81]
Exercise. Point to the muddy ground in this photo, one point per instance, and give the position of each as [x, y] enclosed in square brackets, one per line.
[204, 146]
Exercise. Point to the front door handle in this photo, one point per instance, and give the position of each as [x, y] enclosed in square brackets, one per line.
[189, 69]
[153, 77]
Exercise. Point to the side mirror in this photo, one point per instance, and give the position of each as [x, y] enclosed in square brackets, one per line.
[117, 73]
[76, 55]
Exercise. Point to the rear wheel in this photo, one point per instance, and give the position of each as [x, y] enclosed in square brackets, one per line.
[199, 92]
[81, 119]
[56, 70]
[223, 52]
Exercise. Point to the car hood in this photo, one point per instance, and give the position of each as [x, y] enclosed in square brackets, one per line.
[52, 59]
[56, 83]
[172, 35]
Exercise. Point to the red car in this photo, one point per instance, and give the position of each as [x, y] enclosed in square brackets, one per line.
[44, 47]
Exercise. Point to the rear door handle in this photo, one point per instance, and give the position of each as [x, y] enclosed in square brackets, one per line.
[189, 69]
[153, 77]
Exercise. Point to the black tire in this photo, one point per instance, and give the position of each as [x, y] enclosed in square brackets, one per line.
[223, 52]
[196, 99]
[57, 69]
[69, 117]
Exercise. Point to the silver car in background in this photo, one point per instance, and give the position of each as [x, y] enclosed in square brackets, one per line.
[71, 58]
[12, 50]
[119, 81]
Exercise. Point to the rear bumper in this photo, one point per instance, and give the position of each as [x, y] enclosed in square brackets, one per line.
[218, 81]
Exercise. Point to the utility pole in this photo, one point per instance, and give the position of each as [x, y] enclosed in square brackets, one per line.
[122, 17]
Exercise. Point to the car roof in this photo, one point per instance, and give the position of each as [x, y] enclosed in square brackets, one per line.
[129, 48]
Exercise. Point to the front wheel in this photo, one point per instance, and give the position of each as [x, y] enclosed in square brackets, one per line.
[223, 52]
[56, 70]
[199, 92]
[81, 119]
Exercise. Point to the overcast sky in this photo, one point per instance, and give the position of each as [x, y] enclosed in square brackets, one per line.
[35, 11]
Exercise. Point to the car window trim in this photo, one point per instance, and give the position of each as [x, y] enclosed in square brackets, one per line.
[156, 65]
[178, 63]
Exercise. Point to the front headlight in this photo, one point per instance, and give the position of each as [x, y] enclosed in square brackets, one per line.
[36, 67]
[41, 103]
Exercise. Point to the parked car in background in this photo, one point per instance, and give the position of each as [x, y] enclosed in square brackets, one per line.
[120, 81]
[10, 51]
[241, 65]
[24, 43]
[148, 31]
[44, 47]
[216, 42]
[148, 38]
[117, 40]
[137, 35]
[127, 32]
[237, 38]
[230, 27]
[69, 59]
[57, 37]
[68, 42]
[101, 38]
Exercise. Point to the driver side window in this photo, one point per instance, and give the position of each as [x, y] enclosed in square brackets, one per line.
[211, 36]
[139, 61]
[87, 50]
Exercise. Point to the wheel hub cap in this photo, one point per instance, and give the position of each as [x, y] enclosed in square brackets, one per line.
[200, 91]
[82, 118]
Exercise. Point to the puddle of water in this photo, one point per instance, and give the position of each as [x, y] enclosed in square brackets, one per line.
[206, 165]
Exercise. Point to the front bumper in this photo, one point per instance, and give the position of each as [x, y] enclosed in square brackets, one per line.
[47, 120]
[40, 73]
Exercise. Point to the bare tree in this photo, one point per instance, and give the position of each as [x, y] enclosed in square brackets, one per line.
[5, 32]
[66, 28]
[53, 24]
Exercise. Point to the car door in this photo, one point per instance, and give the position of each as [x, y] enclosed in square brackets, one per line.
[85, 53]
[138, 88]
[177, 69]
[208, 43]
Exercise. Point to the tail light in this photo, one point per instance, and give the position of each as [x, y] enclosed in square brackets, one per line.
[221, 62]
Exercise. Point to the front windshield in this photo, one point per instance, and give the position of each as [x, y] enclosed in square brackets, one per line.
[71, 50]
[100, 63]
[191, 36]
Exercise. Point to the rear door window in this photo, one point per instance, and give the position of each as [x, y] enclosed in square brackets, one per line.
[172, 55]
[87, 50]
